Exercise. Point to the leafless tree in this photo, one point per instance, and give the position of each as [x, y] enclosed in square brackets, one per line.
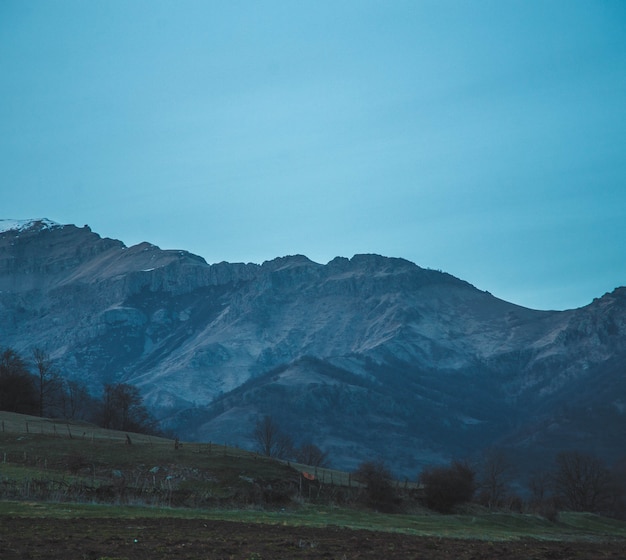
[618, 472]
[270, 440]
[122, 409]
[77, 403]
[539, 485]
[312, 455]
[17, 388]
[494, 474]
[48, 381]
[582, 481]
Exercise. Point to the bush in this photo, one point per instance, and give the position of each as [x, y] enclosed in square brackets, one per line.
[549, 510]
[445, 487]
[378, 482]
[76, 463]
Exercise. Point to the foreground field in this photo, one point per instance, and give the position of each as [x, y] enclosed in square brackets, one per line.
[31, 530]
[73, 491]
[170, 538]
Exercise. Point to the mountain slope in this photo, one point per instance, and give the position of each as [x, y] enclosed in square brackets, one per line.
[365, 356]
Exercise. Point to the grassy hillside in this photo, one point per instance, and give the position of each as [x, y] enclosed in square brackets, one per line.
[46, 459]
[73, 470]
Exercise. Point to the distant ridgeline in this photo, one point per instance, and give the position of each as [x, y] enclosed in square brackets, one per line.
[368, 357]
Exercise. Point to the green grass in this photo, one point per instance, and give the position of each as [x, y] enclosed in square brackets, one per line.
[24, 424]
[84, 463]
[107, 449]
[45, 452]
[487, 527]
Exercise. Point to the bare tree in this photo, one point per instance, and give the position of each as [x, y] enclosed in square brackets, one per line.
[618, 473]
[107, 415]
[539, 485]
[312, 455]
[582, 481]
[17, 388]
[122, 409]
[494, 475]
[270, 440]
[49, 384]
[77, 403]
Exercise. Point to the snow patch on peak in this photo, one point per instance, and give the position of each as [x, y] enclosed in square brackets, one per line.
[22, 225]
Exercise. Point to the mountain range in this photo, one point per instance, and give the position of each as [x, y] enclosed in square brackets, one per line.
[368, 357]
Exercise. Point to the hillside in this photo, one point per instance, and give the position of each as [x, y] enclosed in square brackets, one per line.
[365, 357]
[61, 461]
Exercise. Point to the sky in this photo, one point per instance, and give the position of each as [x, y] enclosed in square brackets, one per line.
[486, 139]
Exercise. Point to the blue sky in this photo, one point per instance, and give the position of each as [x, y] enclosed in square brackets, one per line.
[485, 138]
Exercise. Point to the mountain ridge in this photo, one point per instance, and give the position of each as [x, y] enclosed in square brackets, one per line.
[370, 337]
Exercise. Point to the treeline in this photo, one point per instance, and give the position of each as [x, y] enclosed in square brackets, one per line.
[574, 481]
[36, 387]
[571, 481]
[271, 441]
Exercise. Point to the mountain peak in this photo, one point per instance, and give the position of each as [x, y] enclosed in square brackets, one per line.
[289, 261]
[372, 261]
[38, 224]
[428, 364]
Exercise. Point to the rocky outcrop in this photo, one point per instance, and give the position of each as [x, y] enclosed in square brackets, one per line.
[417, 355]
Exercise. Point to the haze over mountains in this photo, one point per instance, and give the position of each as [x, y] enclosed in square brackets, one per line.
[366, 357]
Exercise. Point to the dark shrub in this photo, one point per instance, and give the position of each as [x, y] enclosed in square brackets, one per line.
[378, 483]
[445, 487]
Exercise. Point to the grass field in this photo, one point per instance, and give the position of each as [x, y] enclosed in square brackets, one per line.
[105, 445]
[59, 470]
[484, 526]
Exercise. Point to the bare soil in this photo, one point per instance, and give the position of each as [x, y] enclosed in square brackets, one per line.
[138, 539]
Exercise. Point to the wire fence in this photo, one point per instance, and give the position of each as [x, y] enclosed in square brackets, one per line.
[33, 425]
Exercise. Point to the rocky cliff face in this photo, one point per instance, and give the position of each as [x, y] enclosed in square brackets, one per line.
[365, 356]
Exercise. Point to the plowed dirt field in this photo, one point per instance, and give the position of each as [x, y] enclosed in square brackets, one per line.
[138, 539]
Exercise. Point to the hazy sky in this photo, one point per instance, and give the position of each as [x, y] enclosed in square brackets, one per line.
[483, 138]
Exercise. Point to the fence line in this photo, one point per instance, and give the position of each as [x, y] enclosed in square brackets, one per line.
[67, 429]
[62, 429]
